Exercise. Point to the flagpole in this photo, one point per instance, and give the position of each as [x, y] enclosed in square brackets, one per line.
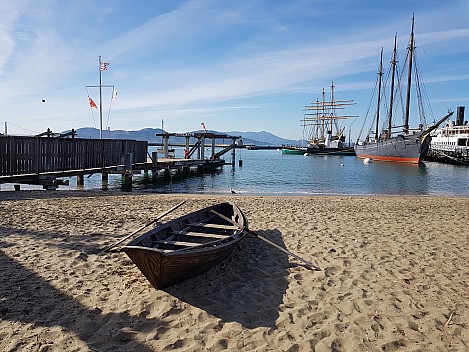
[102, 67]
[100, 102]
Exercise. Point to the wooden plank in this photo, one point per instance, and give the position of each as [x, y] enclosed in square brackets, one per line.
[179, 243]
[214, 226]
[205, 220]
[200, 234]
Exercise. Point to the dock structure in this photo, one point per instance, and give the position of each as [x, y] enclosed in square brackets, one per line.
[166, 170]
[200, 143]
[44, 160]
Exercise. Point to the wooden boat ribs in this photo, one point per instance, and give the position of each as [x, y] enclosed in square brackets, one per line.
[195, 235]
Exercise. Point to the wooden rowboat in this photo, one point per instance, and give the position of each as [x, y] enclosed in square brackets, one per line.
[187, 246]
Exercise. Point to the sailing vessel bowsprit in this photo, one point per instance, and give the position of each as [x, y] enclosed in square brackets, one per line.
[389, 142]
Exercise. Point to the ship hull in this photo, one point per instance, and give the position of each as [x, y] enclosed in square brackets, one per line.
[330, 151]
[318, 151]
[403, 148]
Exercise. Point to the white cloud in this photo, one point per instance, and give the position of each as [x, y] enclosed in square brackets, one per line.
[201, 56]
[9, 13]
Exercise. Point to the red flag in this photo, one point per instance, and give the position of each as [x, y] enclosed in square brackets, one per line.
[92, 103]
[104, 66]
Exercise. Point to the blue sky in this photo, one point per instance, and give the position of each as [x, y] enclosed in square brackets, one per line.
[234, 65]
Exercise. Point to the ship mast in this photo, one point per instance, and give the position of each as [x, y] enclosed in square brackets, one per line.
[409, 78]
[318, 118]
[321, 115]
[380, 73]
[394, 63]
[100, 100]
[323, 122]
[333, 112]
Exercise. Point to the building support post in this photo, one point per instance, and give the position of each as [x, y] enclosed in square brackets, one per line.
[187, 144]
[202, 148]
[199, 143]
[213, 148]
[166, 142]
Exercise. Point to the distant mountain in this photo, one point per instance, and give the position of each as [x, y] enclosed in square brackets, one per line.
[149, 134]
[262, 138]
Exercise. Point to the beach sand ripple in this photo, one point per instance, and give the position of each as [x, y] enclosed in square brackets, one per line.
[394, 276]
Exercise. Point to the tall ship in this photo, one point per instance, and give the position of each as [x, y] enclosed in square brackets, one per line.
[386, 141]
[324, 127]
[450, 144]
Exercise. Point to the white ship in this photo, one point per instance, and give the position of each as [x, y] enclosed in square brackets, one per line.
[450, 144]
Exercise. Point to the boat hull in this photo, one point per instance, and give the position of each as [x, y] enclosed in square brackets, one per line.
[403, 148]
[167, 263]
[318, 151]
[450, 144]
[330, 151]
[165, 270]
[294, 150]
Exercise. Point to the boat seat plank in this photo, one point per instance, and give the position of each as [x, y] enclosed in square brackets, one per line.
[214, 226]
[199, 234]
[179, 243]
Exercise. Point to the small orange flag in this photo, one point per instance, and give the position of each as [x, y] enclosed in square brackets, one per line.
[92, 103]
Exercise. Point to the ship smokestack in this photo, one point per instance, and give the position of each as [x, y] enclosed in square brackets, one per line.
[460, 116]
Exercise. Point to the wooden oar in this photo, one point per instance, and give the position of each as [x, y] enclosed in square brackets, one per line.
[255, 234]
[146, 225]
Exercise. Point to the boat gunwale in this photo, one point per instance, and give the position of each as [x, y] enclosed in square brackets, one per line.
[234, 237]
[203, 247]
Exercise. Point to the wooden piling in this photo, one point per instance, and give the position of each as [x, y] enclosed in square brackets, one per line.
[104, 181]
[127, 175]
[80, 180]
[233, 153]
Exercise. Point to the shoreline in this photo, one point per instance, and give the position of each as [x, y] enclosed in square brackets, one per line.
[394, 275]
[99, 192]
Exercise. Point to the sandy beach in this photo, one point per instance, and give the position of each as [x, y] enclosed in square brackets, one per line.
[394, 276]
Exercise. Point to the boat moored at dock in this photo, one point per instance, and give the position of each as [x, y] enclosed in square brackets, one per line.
[450, 144]
[324, 127]
[401, 143]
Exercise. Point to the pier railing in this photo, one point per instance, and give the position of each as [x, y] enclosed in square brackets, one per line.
[21, 155]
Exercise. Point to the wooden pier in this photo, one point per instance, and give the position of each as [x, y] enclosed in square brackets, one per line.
[167, 170]
[198, 147]
[42, 160]
[45, 160]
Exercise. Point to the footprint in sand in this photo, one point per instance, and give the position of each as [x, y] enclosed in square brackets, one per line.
[331, 270]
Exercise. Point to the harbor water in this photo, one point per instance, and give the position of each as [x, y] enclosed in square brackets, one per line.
[268, 172]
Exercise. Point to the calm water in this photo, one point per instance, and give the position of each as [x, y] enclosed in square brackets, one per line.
[268, 172]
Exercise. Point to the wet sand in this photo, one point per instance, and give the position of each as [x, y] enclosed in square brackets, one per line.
[394, 276]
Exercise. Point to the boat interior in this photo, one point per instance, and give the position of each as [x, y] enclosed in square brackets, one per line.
[191, 232]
